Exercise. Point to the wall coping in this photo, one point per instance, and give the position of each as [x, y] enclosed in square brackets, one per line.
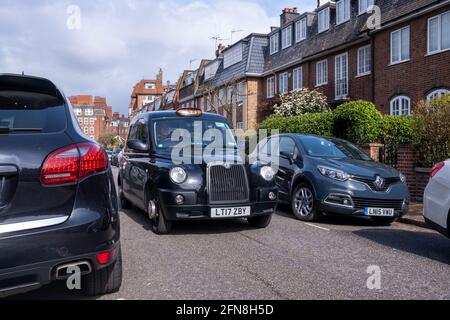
[423, 170]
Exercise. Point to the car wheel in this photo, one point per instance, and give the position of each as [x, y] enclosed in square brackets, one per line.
[124, 202]
[304, 204]
[104, 281]
[160, 225]
[383, 221]
[260, 222]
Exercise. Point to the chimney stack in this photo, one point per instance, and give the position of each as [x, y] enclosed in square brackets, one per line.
[220, 49]
[288, 15]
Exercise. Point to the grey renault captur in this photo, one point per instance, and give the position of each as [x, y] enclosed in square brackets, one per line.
[320, 174]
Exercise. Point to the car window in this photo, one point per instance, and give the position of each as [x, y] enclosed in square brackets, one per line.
[332, 148]
[31, 112]
[287, 146]
[142, 132]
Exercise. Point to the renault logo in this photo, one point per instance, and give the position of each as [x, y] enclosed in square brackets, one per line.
[379, 182]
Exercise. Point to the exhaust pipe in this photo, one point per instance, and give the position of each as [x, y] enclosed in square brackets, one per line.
[65, 271]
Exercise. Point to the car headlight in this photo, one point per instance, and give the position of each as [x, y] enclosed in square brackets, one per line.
[178, 175]
[267, 173]
[402, 178]
[334, 173]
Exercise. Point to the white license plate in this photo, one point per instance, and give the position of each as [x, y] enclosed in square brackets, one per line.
[379, 212]
[231, 212]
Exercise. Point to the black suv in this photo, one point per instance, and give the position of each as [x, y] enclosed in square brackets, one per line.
[58, 203]
[218, 186]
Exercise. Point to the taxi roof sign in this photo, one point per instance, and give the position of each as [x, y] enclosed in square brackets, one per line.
[189, 112]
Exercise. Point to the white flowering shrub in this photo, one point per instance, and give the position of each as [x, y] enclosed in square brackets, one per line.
[301, 102]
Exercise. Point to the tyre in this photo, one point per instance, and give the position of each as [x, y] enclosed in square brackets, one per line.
[304, 204]
[104, 281]
[383, 221]
[124, 202]
[260, 222]
[160, 225]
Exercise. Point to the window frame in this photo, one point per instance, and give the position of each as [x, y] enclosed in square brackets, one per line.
[286, 37]
[299, 25]
[347, 10]
[361, 12]
[297, 74]
[233, 56]
[271, 87]
[274, 45]
[285, 77]
[400, 45]
[320, 84]
[321, 12]
[439, 50]
[358, 60]
[434, 92]
[400, 99]
[345, 94]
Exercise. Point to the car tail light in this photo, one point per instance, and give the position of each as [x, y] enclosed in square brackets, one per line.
[69, 164]
[437, 168]
[104, 257]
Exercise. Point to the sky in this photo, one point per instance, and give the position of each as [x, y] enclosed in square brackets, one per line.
[104, 47]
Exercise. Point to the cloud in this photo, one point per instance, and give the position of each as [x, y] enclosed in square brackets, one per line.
[119, 42]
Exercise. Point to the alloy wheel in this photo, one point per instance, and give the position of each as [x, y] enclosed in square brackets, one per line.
[304, 202]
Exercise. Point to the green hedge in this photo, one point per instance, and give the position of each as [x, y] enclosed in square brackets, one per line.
[358, 121]
[321, 124]
[398, 130]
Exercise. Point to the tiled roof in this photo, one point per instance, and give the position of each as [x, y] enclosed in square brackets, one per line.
[139, 88]
[342, 34]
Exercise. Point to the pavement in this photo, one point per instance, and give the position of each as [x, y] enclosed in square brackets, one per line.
[288, 260]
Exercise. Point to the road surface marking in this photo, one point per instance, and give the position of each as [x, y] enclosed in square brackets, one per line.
[318, 227]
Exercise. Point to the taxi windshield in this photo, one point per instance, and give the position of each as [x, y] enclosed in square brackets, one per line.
[171, 133]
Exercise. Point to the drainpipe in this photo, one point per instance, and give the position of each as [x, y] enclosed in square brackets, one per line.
[372, 49]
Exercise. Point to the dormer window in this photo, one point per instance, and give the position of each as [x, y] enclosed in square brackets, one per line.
[324, 20]
[286, 37]
[274, 43]
[211, 70]
[150, 86]
[342, 11]
[232, 56]
[300, 30]
[364, 5]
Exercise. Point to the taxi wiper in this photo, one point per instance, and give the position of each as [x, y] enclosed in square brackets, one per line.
[8, 130]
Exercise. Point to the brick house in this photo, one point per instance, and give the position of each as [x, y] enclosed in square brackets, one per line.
[145, 92]
[335, 50]
[332, 50]
[93, 114]
[120, 124]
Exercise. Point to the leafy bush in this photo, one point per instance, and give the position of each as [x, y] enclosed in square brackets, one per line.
[432, 123]
[398, 130]
[358, 121]
[314, 123]
[301, 102]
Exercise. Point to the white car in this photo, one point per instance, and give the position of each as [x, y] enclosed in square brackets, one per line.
[437, 199]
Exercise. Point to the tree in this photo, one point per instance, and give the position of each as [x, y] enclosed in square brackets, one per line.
[301, 102]
[107, 141]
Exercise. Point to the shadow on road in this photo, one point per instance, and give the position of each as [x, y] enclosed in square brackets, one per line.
[192, 227]
[425, 244]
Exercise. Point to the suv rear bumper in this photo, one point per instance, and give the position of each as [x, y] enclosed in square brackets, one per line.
[29, 261]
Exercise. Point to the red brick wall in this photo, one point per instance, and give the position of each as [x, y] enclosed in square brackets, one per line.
[415, 78]
[417, 179]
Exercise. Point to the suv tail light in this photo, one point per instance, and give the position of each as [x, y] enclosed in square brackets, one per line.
[69, 164]
[437, 168]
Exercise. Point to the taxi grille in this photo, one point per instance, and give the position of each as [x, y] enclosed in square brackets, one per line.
[227, 184]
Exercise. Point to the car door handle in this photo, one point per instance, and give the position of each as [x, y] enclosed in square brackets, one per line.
[7, 171]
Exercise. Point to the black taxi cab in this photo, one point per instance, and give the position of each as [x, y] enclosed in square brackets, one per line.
[186, 165]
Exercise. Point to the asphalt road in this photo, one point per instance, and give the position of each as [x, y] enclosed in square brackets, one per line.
[288, 260]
